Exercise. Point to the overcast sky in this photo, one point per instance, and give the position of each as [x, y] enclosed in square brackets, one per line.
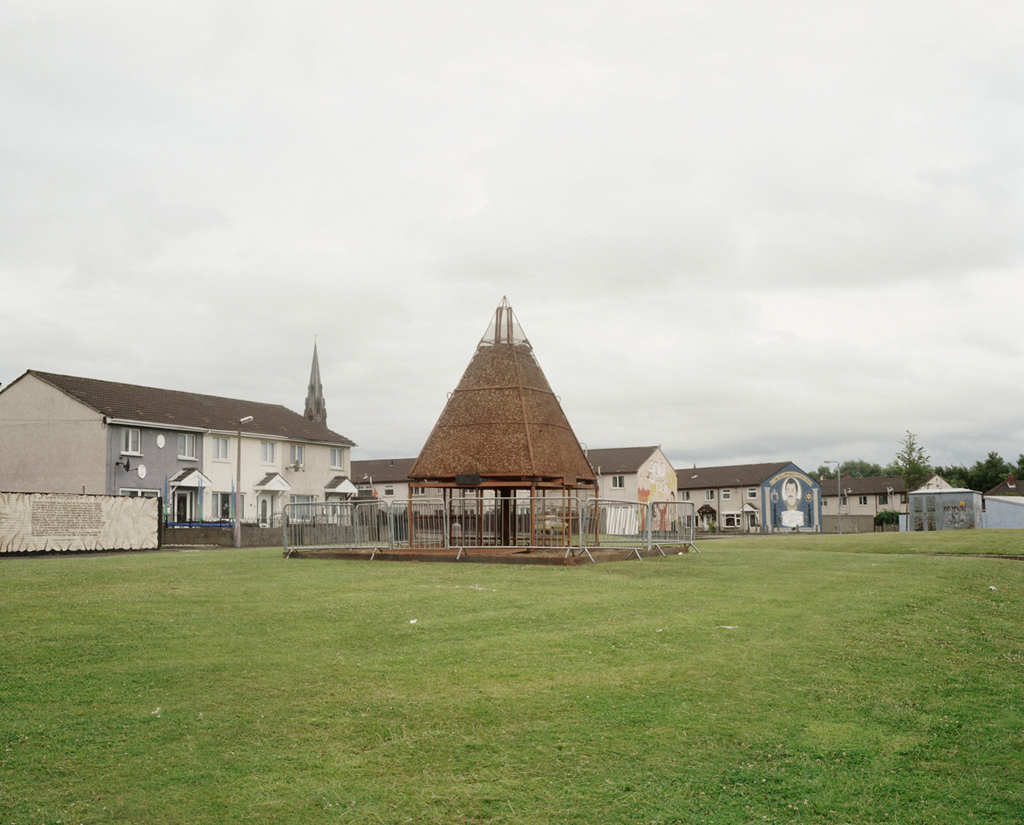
[745, 231]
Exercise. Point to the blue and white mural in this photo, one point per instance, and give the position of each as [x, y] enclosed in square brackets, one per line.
[791, 501]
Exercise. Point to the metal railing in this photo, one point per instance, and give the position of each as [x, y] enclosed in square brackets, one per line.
[639, 526]
[514, 522]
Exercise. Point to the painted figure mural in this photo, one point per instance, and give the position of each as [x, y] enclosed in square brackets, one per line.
[795, 501]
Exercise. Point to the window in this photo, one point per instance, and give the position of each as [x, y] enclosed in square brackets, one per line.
[618, 482]
[305, 512]
[267, 452]
[903, 498]
[842, 501]
[220, 449]
[709, 495]
[389, 489]
[686, 495]
[132, 493]
[731, 519]
[130, 440]
[337, 458]
[222, 506]
[186, 445]
[751, 492]
[862, 501]
[365, 490]
[298, 454]
[726, 495]
[883, 498]
[418, 491]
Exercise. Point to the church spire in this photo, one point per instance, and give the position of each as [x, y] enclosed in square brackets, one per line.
[316, 407]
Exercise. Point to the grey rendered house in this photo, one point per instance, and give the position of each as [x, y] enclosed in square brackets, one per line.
[65, 434]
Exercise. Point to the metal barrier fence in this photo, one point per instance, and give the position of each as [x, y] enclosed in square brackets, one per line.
[639, 526]
[672, 524]
[514, 521]
[328, 524]
[494, 521]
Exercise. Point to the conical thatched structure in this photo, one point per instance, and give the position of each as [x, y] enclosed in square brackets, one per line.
[503, 426]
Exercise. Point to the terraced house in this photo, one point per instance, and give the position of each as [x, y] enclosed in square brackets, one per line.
[752, 498]
[66, 434]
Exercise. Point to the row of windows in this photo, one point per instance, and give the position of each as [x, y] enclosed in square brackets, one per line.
[883, 499]
[131, 444]
[709, 495]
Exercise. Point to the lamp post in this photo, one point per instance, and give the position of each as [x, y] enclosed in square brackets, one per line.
[238, 482]
[839, 495]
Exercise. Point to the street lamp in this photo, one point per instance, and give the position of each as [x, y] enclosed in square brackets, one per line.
[238, 482]
[839, 495]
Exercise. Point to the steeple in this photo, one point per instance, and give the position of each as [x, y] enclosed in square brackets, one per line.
[316, 407]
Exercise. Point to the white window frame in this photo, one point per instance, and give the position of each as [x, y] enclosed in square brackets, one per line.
[417, 491]
[709, 495]
[389, 489]
[138, 492]
[267, 452]
[686, 495]
[752, 492]
[131, 437]
[735, 517]
[219, 454]
[298, 454]
[862, 501]
[187, 445]
[618, 482]
[219, 500]
[337, 458]
[726, 495]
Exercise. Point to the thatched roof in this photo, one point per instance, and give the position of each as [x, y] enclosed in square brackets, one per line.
[503, 422]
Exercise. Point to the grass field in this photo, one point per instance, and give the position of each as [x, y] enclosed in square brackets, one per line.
[807, 679]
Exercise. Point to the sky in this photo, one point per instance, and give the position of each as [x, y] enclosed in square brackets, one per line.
[742, 230]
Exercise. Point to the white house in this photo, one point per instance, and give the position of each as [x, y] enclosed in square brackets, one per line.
[633, 474]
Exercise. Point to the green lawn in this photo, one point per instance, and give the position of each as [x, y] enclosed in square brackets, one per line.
[792, 679]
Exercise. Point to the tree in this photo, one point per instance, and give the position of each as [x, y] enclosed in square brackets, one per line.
[956, 474]
[985, 475]
[912, 463]
[855, 469]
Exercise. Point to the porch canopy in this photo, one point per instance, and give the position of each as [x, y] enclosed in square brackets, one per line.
[503, 428]
[273, 483]
[189, 478]
[340, 485]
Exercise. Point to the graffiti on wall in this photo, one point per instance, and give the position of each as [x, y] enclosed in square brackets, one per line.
[657, 481]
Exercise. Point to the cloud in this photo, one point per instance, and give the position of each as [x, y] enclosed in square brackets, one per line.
[744, 230]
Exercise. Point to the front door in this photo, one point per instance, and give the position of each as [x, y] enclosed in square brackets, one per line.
[266, 506]
[183, 506]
